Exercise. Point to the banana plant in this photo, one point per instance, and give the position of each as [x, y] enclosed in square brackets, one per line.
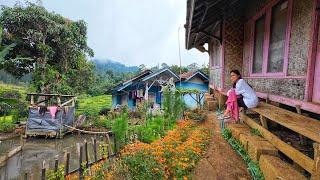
[4, 50]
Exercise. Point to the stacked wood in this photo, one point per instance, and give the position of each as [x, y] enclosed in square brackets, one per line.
[274, 168]
[210, 102]
[258, 148]
[246, 138]
[237, 129]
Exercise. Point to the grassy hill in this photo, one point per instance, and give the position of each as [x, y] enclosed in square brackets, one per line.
[7, 87]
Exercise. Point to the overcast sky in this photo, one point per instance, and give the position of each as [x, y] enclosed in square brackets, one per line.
[132, 32]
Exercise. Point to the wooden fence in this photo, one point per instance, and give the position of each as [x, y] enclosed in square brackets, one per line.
[83, 155]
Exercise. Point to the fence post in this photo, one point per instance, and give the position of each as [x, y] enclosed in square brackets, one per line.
[80, 163]
[86, 153]
[94, 143]
[115, 143]
[56, 163]
[110, 152]
[43, 170]
[67, 156]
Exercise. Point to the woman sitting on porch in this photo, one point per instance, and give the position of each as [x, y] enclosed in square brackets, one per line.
[240, 95]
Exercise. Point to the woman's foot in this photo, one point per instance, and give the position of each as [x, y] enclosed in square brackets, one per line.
[222, 117]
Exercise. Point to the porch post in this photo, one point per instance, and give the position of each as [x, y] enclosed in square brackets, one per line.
[146, 97]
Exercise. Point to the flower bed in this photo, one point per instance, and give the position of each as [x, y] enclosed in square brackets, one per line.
[173, 156]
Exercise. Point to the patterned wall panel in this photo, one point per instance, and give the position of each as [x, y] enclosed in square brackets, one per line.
[233, 39]
[291, 88]
[300, 37]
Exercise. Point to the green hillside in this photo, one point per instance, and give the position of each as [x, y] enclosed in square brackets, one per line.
[9, 88]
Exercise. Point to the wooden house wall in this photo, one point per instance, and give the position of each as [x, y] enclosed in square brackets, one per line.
[236, 46]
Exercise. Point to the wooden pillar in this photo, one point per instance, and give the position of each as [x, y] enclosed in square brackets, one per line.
[59, 100]
[32, 100]
[316, 171]
[302, 139]
[73, 102]
[146, 95]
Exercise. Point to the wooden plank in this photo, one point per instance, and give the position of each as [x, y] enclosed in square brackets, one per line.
[316, 173]
[301, 124]
[298, 157]
[274, 168]
[42, 94]
[263, 121]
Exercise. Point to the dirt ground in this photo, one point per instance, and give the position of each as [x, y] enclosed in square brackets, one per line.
[220, 161]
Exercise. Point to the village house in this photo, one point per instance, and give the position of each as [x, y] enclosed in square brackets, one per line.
[193, 80]
[275, 44]
[147, 86]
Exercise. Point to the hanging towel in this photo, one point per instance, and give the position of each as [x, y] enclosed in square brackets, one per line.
[53, 111]
[232, 104]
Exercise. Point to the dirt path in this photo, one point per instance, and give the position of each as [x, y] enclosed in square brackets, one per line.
[220, 161]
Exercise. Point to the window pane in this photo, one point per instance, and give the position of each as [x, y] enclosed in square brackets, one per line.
[277, 37]
[258, 45]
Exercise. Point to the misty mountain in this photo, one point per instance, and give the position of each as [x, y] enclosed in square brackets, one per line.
[105, 65]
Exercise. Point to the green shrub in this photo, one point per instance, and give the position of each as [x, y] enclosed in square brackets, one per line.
[120, 128]
[6, 124]
[103, 122]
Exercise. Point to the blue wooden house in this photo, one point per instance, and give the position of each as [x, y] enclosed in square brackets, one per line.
[193, 80]
[147, 86]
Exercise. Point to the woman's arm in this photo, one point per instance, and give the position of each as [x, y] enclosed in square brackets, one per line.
[240, 87]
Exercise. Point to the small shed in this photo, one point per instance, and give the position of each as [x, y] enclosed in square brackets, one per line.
[48, 115]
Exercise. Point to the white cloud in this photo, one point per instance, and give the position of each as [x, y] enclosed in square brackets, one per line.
[131, 31]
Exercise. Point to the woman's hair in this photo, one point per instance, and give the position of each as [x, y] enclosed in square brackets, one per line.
[237, 72]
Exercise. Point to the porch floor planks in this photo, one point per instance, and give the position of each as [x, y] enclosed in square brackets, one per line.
[301, 124]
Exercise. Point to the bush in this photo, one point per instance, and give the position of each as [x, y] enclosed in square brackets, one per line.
[103, 122]
[120, 128]
[11, 94]
[6, 124]
[153, 129]
[104, 111]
